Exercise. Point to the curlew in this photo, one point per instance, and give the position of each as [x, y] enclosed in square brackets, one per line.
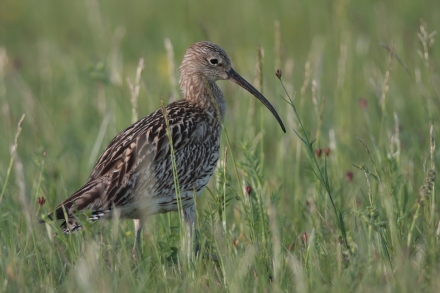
[134, 174]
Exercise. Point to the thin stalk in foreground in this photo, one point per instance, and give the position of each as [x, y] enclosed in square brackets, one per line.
[174, 166]
[13, 151]
[321, 174]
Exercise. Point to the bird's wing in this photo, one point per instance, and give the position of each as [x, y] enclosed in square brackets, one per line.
[138, 146]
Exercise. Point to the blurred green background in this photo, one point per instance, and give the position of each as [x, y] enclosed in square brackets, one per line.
[65, 65]
[68, 63]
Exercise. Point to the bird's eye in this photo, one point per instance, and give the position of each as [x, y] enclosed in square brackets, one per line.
[213, 61]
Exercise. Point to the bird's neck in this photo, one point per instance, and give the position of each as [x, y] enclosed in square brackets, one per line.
[204, 93]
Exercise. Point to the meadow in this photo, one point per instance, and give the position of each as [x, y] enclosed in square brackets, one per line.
[345, 201]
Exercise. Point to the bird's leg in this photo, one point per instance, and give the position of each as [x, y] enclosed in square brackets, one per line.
[190, 237]
[138, 223]
[189, 215]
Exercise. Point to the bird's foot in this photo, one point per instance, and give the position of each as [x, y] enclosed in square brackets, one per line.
[134, 255]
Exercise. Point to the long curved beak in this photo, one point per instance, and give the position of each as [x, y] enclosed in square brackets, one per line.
[235, 77]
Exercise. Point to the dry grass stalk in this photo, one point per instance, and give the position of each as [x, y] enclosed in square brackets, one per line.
[134, 90]
[13, 152]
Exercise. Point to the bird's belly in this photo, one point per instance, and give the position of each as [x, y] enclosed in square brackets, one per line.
[155, 190]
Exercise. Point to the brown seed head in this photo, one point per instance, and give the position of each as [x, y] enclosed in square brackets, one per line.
[279, 73]
[318, 152]
[327, 152]
[304, 237]
[349, 176]
[41, 201]
[248, 190]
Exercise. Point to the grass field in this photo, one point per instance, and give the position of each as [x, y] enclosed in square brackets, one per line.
[354, 211]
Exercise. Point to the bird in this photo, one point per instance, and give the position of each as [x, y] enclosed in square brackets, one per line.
[134, 176]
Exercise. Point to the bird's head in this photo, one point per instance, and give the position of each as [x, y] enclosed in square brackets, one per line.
[206, 59]
[211, 62]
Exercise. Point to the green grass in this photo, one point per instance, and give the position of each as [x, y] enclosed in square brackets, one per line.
[373, 106]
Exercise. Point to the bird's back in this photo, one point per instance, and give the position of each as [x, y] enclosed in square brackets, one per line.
[135, 175]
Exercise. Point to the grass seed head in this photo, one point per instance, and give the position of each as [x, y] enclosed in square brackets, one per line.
[349, 176]
[318, 152]
[248, 190]
[41, 201]
[278, 73]
[363, 103]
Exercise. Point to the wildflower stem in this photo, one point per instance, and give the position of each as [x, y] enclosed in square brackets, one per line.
[320, 174]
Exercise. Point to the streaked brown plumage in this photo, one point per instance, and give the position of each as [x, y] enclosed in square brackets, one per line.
[134, 173]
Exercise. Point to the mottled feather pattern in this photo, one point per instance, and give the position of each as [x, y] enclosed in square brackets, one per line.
[134, 173]
[139, 155]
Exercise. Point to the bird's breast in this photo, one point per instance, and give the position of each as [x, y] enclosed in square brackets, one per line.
[193, 167]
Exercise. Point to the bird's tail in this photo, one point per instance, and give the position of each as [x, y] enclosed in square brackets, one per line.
[68, 225]
[88, 197]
